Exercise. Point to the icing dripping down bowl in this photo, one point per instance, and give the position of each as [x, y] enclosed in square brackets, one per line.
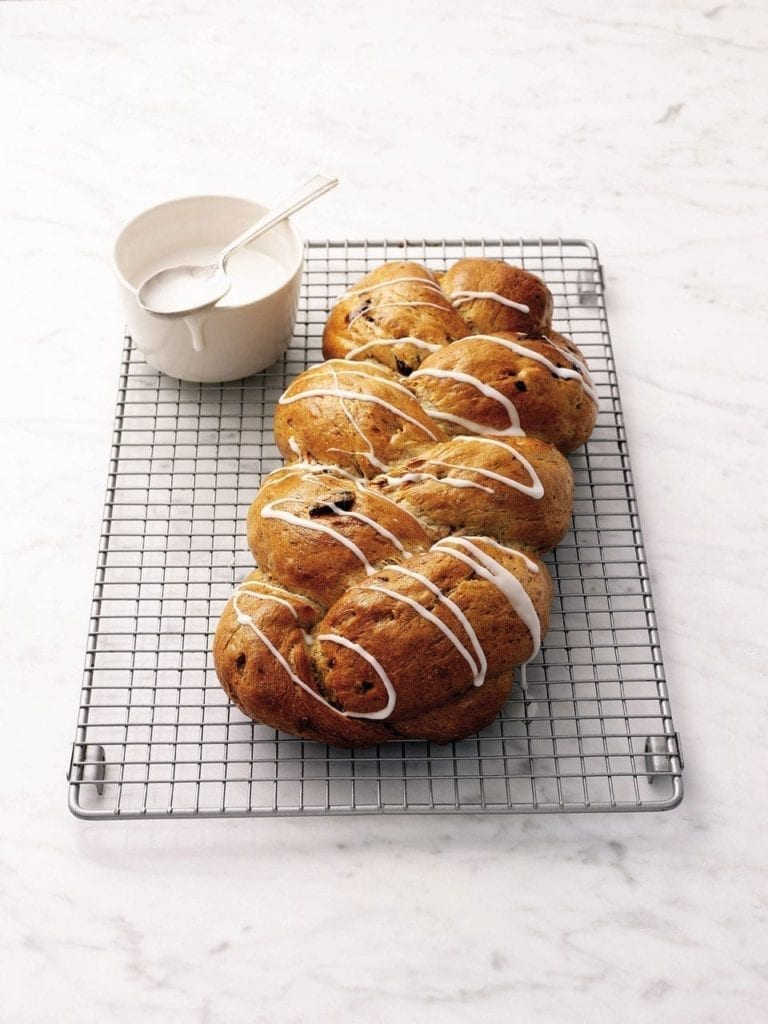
[250, 327]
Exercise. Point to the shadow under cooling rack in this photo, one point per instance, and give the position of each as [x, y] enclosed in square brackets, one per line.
[156, 736]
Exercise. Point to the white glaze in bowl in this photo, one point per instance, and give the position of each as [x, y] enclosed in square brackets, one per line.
[250, 327]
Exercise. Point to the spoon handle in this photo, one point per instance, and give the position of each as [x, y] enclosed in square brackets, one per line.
[315, 187]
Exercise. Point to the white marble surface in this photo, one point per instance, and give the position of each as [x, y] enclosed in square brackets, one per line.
[640, 125]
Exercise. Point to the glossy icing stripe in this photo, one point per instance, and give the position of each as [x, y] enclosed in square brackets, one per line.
[245, 591]
[246, 620]
[408, 340]
[314, 467]
[482, 661]
[531, 491]
[359, 397]
[426, 281]
[564, 372]
[336, 366]
[475, 382]
[360, 486]
[331, 471]
[529, 563]
[534, 490]
[582, 366]
[386, 711]
[270, 512]
[377, 527]
[446, 307]
[478, 428]
[449, 481]
[369, 453]
[494, 572]
[425, 613]
[460, 297]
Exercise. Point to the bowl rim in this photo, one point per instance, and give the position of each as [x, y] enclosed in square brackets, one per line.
[216, 197]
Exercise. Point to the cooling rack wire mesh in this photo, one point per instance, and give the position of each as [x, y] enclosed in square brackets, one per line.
[156, 736]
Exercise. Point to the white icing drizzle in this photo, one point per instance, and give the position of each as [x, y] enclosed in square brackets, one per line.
[494, 572]
[425, 613]
[564, 372]
[345, 369]
[315, 467]
[480, 563]
[271, 512]
[448, 480]
[341, 393]
[377, 527]
[570, 356]
[534, 490]
[529, 563]
[587, 376]
[293, 445]
[369, 453]
[245, 590]
[392, 502]
[477, 560]
[481, 667]
[460, 297]
[478, 428]
[386, 711]
[312, 467]
[408, 340]
[359, 397]
[361, 517]
[525, 488]
[386, 305]
[395, 280]
[245, 620]
[271, 586]
[484, 389]
[343, 364]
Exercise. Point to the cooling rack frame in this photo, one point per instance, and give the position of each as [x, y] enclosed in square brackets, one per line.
[156, 736]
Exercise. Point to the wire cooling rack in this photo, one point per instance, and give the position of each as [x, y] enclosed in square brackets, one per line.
[156, 735]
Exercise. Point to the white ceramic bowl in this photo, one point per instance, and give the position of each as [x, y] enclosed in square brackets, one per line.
[249, 328]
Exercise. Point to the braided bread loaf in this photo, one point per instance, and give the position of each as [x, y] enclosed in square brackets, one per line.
[399, 578]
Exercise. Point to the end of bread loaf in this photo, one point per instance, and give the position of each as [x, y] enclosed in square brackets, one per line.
[495, 296]
[414, 648]
[396, 315]
[504, 384]
[517, 490]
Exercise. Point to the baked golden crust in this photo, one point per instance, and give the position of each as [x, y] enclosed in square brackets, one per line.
[257, 681]
[424, 665]
[399, 580]
[321, 682]
[355, 415]
[469, 386]
[516, 489]
[370, 316]
[338, 520]
[484, 314]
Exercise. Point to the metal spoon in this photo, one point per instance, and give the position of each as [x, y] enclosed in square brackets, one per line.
[181, 290]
